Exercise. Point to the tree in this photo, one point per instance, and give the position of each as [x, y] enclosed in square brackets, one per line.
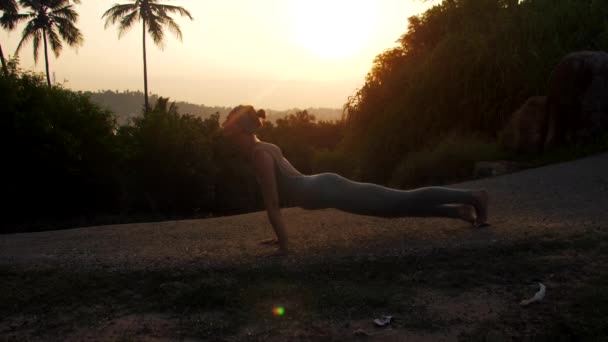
[153, 16]
[59, 154]
[461, 70]
[53, 21]
[8, 20]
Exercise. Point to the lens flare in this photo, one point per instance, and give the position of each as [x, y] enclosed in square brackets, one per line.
[278, 311]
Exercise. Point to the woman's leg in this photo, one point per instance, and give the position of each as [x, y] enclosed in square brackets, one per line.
[371, 199]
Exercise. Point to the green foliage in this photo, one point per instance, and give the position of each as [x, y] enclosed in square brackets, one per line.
[168, 160]
[58, 150]
[453, 159]
[462, 68]
[236, 189]
[299, 135]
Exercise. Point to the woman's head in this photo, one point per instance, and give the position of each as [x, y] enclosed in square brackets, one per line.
[244, 119]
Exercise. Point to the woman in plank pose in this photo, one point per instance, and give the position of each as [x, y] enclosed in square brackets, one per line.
[279, 179]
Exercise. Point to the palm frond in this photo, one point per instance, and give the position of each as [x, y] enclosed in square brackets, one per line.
[127, 22]
[174, 28]
[33, 4]
[70, 33]
[66, 12]
[170, 9]
[37, 35]
[28, 33]
[155, 29]
[115, 13]
[8, 6]
[10, 20]
[54, 41]
[55, 4]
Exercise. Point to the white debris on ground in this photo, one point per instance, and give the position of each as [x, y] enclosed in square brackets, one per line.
[538, 296]
[384, 320]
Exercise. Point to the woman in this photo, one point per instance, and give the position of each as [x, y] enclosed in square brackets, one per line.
[279, 179]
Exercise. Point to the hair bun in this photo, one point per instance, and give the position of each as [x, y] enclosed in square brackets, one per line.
[261, 113]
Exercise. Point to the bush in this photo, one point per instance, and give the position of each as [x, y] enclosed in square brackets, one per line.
[336, 161]
[168, 162]
[58, 151]
[451, 160]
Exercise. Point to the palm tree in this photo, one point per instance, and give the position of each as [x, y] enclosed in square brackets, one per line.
[153, 16]
[51, 20]
[8, 21]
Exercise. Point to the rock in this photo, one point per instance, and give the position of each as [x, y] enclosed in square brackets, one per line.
[577, 99]
[524, 131]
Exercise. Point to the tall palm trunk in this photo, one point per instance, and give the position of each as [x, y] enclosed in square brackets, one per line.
[46, 58]
[4, 68]
[145, 71]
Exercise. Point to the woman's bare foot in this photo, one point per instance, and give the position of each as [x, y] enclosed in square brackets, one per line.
[481, 207]
[273, 241]
[467, 213]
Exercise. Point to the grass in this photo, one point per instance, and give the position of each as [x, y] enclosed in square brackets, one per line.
[322, 298]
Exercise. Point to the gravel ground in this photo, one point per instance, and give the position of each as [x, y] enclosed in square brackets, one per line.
[560, 200]
[208, 280]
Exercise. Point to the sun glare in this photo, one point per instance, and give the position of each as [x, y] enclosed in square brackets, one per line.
[333, 28]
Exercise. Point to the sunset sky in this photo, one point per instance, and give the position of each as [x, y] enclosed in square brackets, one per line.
[274, 54]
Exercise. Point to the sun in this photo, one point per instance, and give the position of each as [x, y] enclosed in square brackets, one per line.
[333, 28]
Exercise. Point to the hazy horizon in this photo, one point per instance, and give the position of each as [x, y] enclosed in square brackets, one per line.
[272, 53]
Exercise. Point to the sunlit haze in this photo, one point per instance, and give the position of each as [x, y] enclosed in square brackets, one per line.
[275, 54]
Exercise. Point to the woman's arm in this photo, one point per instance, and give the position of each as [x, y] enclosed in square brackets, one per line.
[264, 168]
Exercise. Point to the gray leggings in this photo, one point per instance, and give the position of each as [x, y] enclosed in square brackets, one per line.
[329, 190]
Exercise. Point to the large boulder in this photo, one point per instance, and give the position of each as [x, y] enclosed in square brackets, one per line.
[524, 132]
[577, 99]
